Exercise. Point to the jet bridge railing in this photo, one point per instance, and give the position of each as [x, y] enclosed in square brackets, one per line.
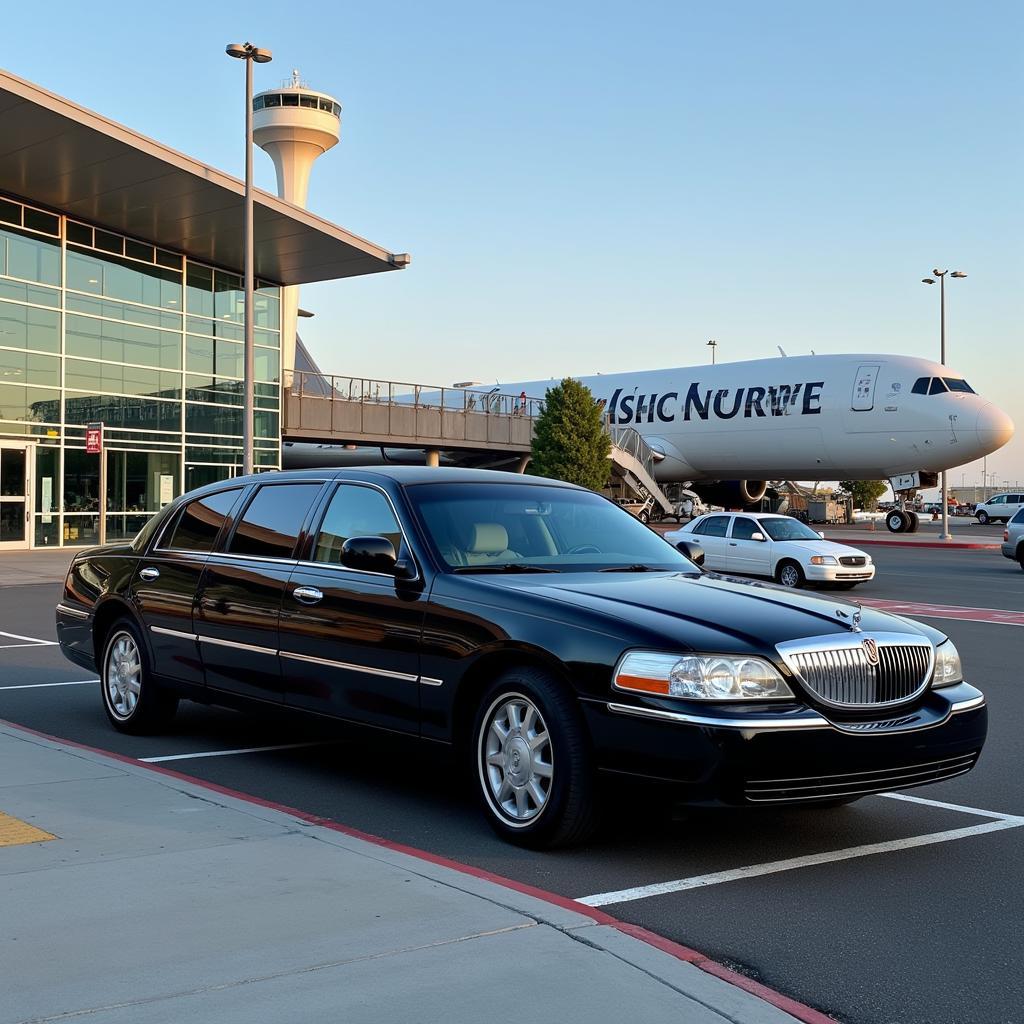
[344, 409]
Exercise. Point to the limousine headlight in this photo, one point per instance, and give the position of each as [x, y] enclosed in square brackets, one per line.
[948, 669]
[700, 677]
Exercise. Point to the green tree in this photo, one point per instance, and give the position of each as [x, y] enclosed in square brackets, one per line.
[569, 440]
[865, 493]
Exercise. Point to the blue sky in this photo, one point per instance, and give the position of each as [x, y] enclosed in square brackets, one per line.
[595, 187]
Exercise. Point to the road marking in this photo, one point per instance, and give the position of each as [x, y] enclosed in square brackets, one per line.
[14, 832]
[1001, 616]
[952, 807]
[31, 639]
[228, 753]
[642, 892]
[37, 686]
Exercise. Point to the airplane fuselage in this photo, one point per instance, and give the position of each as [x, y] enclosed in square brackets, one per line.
[802, 417]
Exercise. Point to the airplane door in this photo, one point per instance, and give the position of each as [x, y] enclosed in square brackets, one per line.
[864, 388]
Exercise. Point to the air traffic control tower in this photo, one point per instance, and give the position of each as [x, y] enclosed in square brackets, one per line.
[295, 125]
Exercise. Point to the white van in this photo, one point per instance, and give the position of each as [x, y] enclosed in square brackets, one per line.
[1000, 507]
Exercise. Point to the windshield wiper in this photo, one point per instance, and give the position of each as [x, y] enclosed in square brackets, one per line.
[508, 567]
[638, 567]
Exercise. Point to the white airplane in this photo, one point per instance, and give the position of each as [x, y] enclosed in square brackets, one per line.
[725, 430]
[820, 417]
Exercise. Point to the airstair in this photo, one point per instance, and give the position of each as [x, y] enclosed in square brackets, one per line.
[633, 468]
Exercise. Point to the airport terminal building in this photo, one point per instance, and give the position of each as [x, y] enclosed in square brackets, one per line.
[121, 304]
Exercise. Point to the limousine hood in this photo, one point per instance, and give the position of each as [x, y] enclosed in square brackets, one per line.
[694, 609]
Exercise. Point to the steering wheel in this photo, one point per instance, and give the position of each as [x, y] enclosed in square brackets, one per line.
[585, 549]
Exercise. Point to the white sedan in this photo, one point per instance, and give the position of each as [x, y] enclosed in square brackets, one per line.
[778, 546]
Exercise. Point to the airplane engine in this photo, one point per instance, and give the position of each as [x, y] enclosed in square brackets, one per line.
[732, 493]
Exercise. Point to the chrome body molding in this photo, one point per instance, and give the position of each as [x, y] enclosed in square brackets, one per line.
[254, 648]
[807, 720]
[349, 666]
[163, 631]
[75, 613]
[405, 677]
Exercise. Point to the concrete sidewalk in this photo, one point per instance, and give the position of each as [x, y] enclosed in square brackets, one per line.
[162, 900]
[43, 565]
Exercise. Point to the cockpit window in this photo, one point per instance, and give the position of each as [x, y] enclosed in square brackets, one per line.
[938, 387]
[921, 385]
[955, 384]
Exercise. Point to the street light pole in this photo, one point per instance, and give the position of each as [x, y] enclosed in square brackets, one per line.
[248, 53]
[714, 349]
[941, 275]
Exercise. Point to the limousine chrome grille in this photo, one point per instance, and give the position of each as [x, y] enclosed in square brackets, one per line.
[862, 670]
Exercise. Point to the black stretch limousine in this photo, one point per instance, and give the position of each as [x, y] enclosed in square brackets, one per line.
[537, 626]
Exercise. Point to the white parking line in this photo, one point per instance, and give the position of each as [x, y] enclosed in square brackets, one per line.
[228, 753]
[37, 686]
[642, 892]
[953, 807]
[31, 639]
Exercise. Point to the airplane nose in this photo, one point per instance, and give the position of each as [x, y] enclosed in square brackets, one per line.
[994, 428]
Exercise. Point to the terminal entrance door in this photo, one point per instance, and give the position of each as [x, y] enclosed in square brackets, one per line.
[15, 496]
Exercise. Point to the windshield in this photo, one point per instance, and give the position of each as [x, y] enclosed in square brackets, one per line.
[787, 529]
[482, 526]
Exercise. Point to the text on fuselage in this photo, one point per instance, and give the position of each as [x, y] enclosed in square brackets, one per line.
[724, 403]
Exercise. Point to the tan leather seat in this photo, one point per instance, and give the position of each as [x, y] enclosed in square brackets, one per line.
[488, 542]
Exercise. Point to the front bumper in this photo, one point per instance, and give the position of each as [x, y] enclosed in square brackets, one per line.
[788, 754]
[839, 573]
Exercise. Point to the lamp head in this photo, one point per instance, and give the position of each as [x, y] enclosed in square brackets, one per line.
[938, 273]
[927, 280]
[246, 51]
[958, 273]
[236, 50]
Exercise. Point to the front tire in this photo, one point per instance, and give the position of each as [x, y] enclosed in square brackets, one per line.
[532, 761]
[132, 701]
[789, 574]
[983, 517]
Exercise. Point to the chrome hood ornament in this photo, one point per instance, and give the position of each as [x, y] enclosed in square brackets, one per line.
[852, 620]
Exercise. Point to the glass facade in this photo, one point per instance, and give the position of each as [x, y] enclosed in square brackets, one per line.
[97, 327]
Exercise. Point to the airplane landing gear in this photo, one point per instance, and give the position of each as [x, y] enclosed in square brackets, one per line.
[902, 521]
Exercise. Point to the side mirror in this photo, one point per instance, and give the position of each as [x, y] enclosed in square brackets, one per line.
[369, 554]
[694, 552]
[757, 536]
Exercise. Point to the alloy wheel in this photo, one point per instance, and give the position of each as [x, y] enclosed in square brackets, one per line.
[516, 764]
[122, 675]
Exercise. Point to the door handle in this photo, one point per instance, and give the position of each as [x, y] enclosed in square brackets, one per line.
[733, 544]
[150, 573]
[307, 595]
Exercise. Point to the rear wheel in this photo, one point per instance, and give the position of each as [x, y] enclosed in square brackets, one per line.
[789, 574]
[1020, 557]
[132, 701]
[532, 761]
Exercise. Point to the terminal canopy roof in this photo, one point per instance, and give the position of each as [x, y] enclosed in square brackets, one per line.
[57, 154]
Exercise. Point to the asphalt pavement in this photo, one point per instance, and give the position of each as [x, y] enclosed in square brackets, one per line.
[889, 911]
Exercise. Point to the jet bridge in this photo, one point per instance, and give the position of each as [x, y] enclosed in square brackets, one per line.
[466, 426]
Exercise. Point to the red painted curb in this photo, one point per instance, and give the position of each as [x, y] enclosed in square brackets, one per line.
[947, 544]
[803, 1013]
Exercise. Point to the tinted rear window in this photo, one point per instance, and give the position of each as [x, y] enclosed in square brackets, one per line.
[271, 524]
[713, 526]
[201, 520]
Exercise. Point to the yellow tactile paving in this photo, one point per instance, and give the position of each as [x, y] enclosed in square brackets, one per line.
[14, 832]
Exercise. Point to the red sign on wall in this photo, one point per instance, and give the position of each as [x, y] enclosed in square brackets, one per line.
[94, 438]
